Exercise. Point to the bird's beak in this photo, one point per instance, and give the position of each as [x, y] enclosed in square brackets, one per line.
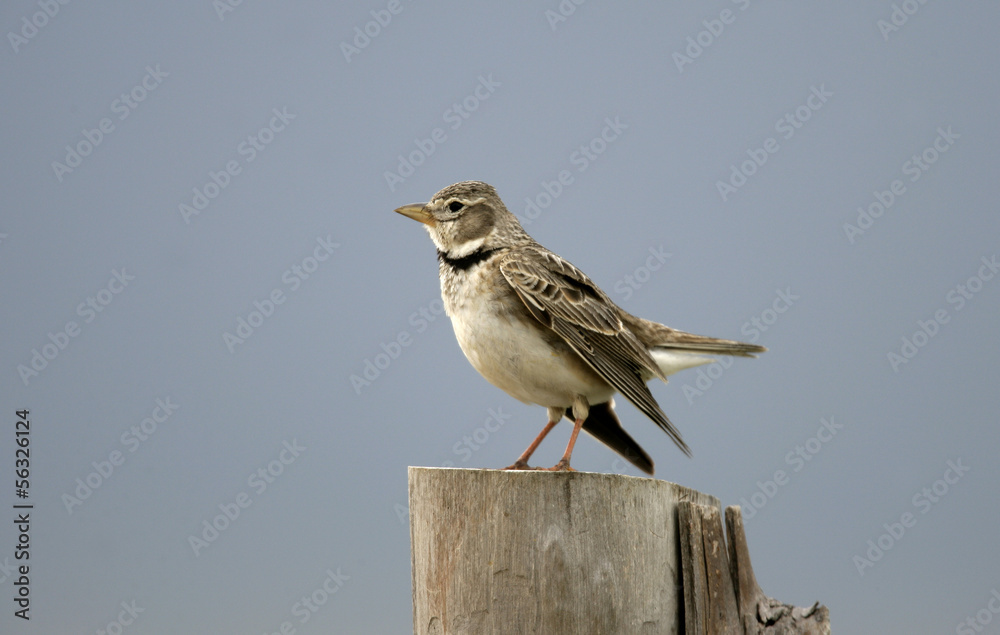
[418, 212]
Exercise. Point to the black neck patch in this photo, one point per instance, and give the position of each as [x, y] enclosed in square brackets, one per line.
[466, 262]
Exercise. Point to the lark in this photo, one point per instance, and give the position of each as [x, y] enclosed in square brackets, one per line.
[539, 329]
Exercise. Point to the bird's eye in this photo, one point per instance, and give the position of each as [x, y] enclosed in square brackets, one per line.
[455, 206]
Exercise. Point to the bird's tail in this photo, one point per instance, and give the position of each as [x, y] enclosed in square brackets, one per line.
[691, 343]
[603, 424]
[675, 350]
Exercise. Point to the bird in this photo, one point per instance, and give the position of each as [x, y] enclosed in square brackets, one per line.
[541, 330]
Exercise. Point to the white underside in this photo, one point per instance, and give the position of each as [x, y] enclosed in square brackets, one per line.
[514, 357]
[672, 361]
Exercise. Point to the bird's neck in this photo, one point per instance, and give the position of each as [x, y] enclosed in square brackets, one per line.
[468, 261]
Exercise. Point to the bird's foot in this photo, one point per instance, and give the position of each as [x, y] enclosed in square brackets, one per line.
[561, 466]
[522, 465]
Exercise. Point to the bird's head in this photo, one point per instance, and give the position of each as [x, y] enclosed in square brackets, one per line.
[465, 218]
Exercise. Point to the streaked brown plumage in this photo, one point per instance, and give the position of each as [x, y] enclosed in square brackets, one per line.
[537, 327]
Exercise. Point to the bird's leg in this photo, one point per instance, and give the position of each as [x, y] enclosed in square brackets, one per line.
[563, 464]
[555, 414]
[522, 462]
[580, 411]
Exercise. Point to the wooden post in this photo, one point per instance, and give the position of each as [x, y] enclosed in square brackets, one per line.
[569, 552]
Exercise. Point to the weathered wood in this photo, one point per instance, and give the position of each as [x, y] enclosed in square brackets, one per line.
[760, 614]
[549, 553]
[721, 594]
[744, 580]
[573, 552]
[712, 609]
[693, 577]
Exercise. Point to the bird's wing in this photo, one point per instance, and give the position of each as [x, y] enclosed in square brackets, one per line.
[564, 299]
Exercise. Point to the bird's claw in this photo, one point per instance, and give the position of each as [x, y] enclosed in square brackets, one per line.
[561, 466]
[521, 465]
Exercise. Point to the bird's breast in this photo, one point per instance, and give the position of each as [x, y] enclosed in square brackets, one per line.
[511, 349]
